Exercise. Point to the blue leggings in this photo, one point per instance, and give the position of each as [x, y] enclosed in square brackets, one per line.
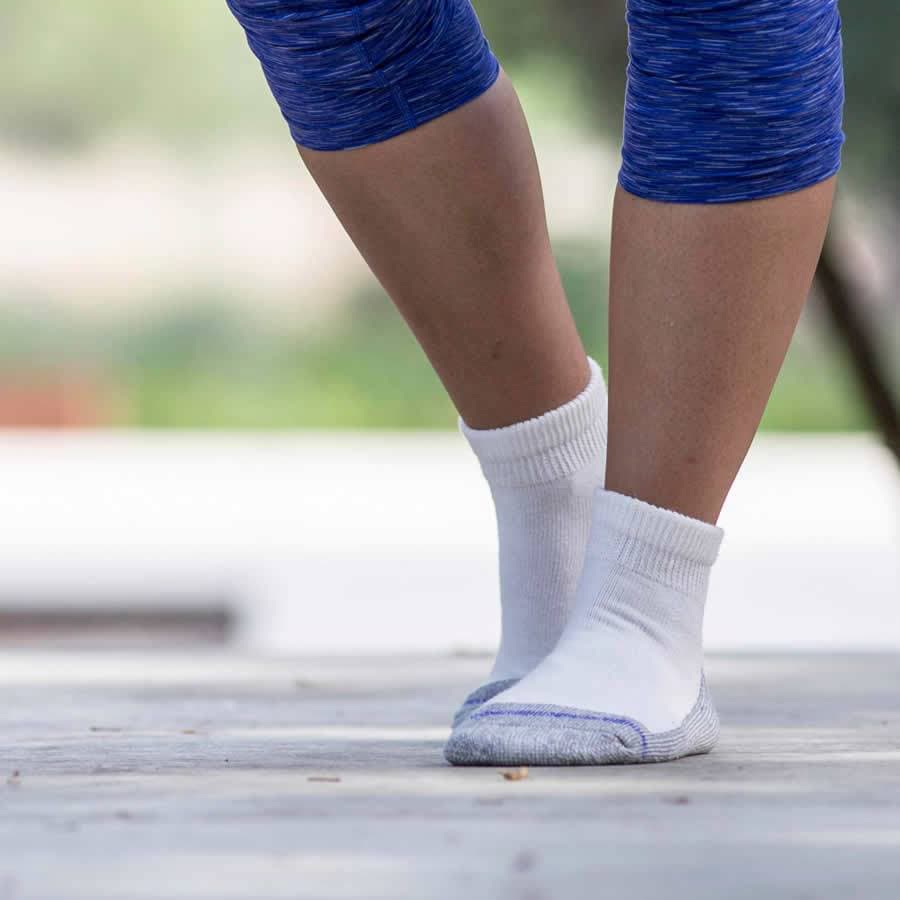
[347, 73]
[727, 100]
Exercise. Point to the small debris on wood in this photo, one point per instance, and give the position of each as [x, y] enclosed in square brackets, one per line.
[515, 774]
[15, 779]
[105, 728]
[680, 800]
[189, 731]
[325, 778]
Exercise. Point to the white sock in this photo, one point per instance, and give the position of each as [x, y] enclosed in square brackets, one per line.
[542, 474]
[633, 646]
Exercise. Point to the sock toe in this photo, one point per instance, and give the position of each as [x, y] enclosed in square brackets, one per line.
[512, 734]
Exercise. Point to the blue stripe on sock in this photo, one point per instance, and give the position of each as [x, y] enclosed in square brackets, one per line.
[524, 712]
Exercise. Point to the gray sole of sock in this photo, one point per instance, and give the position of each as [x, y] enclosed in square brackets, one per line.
[512, 734]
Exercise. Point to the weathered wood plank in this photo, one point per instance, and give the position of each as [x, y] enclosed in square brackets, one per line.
[174, 776]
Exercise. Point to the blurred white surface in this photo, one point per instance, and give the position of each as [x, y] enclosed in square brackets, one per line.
[247, 223]
[384, 542]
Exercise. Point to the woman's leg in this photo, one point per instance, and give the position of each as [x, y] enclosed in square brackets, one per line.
[419, 144]
[450, 217]
[705, 294]
[703, 303]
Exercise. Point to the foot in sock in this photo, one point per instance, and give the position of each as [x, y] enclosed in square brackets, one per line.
[542, 474]
[625, 681]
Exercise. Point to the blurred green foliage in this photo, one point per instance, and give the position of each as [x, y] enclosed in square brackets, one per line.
[175, 72]
[179, 74]
[202, 365]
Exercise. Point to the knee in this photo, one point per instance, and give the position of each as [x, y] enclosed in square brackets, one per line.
[347, 73]
[731, 101]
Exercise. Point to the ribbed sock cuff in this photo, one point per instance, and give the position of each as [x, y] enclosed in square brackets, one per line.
[549, 447]
[657, 543]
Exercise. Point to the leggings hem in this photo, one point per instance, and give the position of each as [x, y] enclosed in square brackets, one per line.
[409, 124]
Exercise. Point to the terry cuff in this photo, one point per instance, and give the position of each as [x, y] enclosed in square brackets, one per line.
[549, 447]
[657, 543]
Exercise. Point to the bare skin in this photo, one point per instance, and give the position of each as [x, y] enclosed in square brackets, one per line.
[450, 218]
[703, 299]
[703, 303]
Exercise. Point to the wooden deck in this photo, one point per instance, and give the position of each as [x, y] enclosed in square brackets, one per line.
[211, 775]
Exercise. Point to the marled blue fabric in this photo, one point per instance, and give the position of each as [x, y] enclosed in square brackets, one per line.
[347, 73]
[731, 99]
